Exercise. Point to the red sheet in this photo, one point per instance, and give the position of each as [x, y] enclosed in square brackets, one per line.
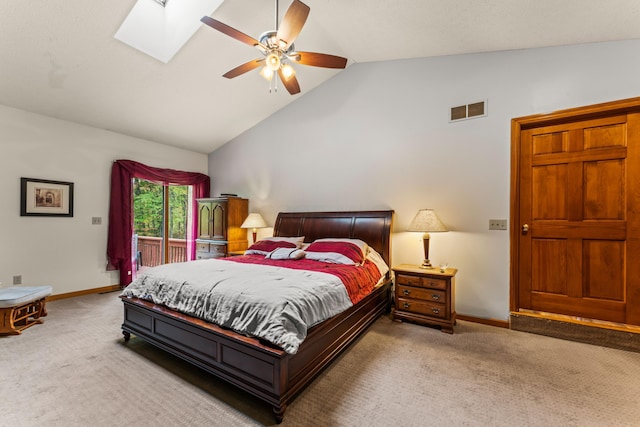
[358, 280]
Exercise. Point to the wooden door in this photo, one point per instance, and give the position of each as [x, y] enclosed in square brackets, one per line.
[576, 214]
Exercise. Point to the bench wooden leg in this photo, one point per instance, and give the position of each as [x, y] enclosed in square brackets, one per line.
[13, 320]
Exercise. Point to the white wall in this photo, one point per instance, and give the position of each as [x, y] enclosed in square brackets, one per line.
[377, 136]
[67, 253]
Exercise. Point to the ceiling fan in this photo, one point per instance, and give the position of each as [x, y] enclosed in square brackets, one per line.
[278, 49]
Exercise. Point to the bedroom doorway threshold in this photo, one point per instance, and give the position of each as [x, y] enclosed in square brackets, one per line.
[607, 334]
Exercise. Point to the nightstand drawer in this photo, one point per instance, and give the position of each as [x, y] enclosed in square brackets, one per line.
[423, 307]
[405, 279]
[424, 282]
[202, 247]
[434, 283]
[421, 293]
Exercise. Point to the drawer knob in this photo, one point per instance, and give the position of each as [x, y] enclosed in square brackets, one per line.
[406, 305]
[406, 291]
[435, 296]
[435, 310]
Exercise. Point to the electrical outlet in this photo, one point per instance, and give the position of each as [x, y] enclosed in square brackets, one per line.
[17, 280]
[497, 224]
[96, 220]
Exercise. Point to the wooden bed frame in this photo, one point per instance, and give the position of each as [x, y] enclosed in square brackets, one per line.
[260, 368]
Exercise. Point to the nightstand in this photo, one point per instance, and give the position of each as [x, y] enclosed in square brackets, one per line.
[425, 296]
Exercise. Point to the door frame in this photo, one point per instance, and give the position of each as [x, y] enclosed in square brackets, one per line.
[625, 106]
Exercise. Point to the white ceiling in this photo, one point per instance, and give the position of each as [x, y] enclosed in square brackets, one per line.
[60, 58]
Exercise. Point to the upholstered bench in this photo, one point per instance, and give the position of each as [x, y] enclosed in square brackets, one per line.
[21, 307]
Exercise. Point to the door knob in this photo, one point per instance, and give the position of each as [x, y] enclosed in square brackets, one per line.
[525, 228]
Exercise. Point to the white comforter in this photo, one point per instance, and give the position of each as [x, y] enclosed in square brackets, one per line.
[274, 303]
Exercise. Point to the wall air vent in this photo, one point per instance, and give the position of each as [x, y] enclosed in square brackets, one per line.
[469, 111]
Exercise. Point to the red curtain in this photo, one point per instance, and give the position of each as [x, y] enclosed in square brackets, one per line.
[121, 209]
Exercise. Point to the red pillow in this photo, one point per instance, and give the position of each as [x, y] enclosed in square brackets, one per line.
[335, 252]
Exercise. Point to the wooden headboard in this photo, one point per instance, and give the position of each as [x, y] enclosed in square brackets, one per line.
[373, 227]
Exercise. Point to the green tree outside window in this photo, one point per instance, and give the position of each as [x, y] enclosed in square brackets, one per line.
[148, 209]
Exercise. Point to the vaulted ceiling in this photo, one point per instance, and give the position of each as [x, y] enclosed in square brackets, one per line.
[60, 58]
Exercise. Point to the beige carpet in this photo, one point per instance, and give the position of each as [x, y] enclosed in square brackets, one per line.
[75, 370]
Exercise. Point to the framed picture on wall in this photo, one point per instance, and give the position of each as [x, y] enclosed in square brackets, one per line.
[41, 197]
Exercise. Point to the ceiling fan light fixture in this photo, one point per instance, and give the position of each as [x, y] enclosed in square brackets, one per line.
[273, 61]
[288, 71]
[267, 73]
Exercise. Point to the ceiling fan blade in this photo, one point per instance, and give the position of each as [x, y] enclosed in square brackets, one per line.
[291, 84]
[230, 31]
[292, 22]
[241, 69]
[320, 59]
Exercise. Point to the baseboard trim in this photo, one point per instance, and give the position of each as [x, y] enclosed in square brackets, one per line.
[606, 334]
[484, 321]
[101, 290]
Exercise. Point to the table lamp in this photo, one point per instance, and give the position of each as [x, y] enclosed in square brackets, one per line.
[254, 221]
[426, 221]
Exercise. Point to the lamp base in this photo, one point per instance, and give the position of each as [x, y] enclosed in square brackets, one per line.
[426, 264]
[425, 241]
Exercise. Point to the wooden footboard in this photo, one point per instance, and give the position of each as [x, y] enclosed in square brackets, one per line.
[265, 371]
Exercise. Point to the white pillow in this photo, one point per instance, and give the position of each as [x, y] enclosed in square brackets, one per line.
[377, 259]
[286, 253]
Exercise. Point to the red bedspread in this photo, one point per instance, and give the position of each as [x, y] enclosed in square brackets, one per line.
[358, 280]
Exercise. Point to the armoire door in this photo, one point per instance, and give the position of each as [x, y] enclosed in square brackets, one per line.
[576, 214]
[219, 221]
[204, 220]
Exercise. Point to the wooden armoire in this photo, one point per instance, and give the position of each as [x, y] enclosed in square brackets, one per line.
[219, 221]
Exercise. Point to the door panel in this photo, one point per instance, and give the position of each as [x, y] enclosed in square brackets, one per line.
[606, 135]
[604, 189]
[603, 269]
[578, 209]
[549, 192]
[549, 273]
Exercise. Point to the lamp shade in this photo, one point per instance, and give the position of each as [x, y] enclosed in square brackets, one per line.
[254, 220]
[426, 221]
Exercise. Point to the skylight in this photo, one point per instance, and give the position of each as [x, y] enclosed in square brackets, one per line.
[160, 28]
